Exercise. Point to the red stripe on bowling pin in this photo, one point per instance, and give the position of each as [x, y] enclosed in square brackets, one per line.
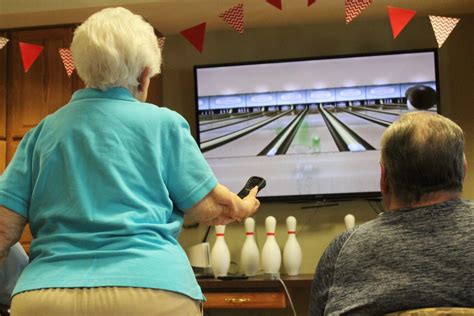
[249, 234]
[270, 234]
[219, 234]
[291, 232]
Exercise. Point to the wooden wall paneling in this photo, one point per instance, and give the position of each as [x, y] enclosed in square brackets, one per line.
[45, 87]
[11, 145]
[26, 238]
[3, 155]
[3, 88]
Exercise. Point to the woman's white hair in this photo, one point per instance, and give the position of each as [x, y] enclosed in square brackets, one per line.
[112, 48]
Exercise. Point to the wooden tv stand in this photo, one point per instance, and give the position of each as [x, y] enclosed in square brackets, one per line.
[255, 292]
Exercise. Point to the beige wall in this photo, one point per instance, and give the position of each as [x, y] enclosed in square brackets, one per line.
[456, 69]
[318, 226]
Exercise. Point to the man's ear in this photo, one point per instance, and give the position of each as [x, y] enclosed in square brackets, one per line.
[384, 187]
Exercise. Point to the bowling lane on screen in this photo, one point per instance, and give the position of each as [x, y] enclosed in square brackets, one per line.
[344, 172]
[228, 120]
[312, 136]
[369, 131]
[382, 116]
[227, 128]
[250, 144]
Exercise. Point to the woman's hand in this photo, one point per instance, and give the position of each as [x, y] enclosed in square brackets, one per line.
[221, 207]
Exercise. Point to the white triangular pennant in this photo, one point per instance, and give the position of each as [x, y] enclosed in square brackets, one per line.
[442, 27]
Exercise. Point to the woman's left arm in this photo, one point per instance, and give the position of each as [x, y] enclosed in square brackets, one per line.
[11, 227]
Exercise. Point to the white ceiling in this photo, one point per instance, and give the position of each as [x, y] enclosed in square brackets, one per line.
[172, 16]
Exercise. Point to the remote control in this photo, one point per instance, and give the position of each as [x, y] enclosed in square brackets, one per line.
[251, 183]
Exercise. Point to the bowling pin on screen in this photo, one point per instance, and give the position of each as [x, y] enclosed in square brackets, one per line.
[310, 127]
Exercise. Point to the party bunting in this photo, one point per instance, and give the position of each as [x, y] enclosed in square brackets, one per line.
[234, 17]
[29, 54]
[442, 27]
[66, 57]
[276, 3]
[399, 18]
[195, 35]
[161, 42]
[355, 7]
[3, 41]
[311, 2]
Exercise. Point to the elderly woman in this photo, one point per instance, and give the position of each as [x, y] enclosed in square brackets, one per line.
[104, 183]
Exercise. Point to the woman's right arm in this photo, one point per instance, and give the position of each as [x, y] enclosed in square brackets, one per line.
[221, 206]
[11, 226]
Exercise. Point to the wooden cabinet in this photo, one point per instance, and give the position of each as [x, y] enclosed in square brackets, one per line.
[26, 98]
[253, 293]
[3, 155]
[26, 239]
[3, 104]
[45, 87]
[3, 90]
[11, 147]
[245, 300]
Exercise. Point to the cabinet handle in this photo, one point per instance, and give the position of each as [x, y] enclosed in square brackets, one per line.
[237, 300]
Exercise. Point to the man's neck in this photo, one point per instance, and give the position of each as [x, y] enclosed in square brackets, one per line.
[427, 200]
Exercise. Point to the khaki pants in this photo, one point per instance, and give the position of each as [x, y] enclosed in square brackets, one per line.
[103, 301]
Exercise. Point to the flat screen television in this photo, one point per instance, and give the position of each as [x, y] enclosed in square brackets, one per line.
[310, 127]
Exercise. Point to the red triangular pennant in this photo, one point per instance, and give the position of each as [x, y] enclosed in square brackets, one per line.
[399, 18]
[29, 54]
[276, 3]
[161, 42]
[442, 27]
[195, 35]
[355, 7]
[68, 63]
[234, 17]
[311, 2]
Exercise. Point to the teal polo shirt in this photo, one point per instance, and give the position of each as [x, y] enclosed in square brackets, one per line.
[104, 183]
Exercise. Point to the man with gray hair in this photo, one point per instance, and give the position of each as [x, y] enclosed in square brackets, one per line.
[420, 251]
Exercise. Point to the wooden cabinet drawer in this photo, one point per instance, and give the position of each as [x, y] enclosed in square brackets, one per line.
[245, 300]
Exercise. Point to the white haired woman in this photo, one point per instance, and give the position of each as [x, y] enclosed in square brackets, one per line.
[104, 183]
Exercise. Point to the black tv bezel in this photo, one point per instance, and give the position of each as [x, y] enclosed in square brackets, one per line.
[315, 197]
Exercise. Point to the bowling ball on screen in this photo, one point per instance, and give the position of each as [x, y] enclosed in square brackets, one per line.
[420, 97]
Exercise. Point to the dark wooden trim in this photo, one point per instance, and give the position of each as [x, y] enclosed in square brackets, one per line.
[257, 283]
[41, 27]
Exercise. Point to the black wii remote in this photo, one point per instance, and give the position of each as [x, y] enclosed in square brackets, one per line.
[251, 183]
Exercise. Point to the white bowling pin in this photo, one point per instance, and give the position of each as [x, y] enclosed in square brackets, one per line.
[220, 255]
[292, 254]
[271, 254]
[349, 220]
[249, 255]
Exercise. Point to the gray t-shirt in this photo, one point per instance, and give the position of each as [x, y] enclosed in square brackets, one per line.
[411, 258]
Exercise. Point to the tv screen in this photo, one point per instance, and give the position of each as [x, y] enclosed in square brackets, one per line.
[311, 127]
